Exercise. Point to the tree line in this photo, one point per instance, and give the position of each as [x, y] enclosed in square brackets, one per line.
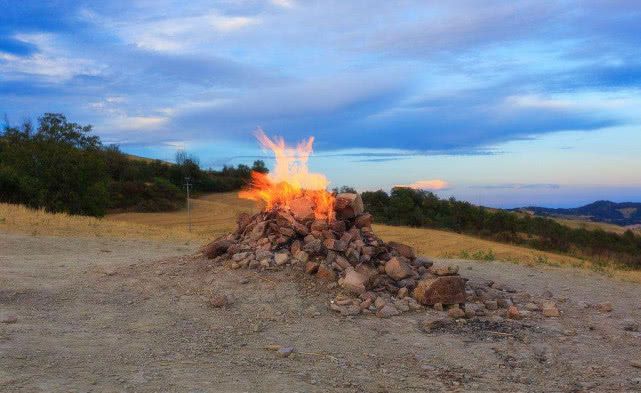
[61, 166]
[404, 206]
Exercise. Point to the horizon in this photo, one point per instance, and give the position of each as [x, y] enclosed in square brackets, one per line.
[503, 105]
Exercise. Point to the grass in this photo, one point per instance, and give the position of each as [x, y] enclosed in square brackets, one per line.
[215, 214]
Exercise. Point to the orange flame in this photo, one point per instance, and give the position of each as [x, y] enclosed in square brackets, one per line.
[290, 180]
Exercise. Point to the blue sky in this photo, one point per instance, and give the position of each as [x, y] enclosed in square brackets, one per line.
[506, 103]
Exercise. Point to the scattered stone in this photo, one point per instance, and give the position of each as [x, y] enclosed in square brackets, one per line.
[550, 310]
[8, 318]
[281, 258]
[387, 311]
[455, 312]
[444, 270]
[604, 307]
[631, 325]
[218, 301]
[491, 305]
[513, 313]
[284, 352]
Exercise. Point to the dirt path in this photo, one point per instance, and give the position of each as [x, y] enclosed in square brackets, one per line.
[111, 315]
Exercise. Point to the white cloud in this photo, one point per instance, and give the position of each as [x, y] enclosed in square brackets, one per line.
[284, 3]
[435, 184]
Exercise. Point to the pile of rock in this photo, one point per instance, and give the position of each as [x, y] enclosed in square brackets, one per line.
[344, 251]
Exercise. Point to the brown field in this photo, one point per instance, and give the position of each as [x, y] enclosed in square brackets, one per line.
[591, 225]
[215, 214]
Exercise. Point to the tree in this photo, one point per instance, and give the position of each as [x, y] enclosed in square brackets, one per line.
[259, 166]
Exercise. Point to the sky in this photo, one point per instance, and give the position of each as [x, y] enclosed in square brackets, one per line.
[502, 103]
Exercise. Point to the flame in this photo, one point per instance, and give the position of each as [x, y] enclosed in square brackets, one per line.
[290, 180]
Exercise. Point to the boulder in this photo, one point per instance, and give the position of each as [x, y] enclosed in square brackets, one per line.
[398, 269]
[302, 209]
[444, 290]
[363, 220]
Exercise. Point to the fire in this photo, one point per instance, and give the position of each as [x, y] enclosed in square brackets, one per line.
[290, 183]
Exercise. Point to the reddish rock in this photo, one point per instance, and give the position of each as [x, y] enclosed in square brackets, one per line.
[295, 247]
[348, 205]
[513, 312]
[302, 209]
[216, 248]
[302, 256]
[353, 281]
[387, 311]
[339, 226]
[456, 312]
[403, 249]
[550, 309]
[218, 301]
[325, 273]
[444, 270]
[364, 220]
[311, 267]
[398, 269]
[444, 290]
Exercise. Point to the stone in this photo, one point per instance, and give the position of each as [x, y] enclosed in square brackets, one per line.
[513, 312]
[8, 318]
[604, 307]
[325, 273]
[218, 301]
[216, 248]
[550, 310]
[402, 293]
[335, 245]
[348, 205]
[521, 297]
[444, 270]
[313, 247]
[430, 325]
[302, 208]
[281, 258]
[286, 231]
[631, 325]
[504, 303]
[240, 256]
[353, 281]
[284, 352]
[635, 363]
[379, 303]
[338, 226]
[302, 256]
[439, 307]
[532, 306]
[363, 220]
[387, 311]
[398, 269]
[342, 262]
[403, 250]
[455, 312]
[471, 310]
[445, 290]
[311, 267]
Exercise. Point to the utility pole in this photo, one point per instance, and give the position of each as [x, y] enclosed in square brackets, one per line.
[188, 185]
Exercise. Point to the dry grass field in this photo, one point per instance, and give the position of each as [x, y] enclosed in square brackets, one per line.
[215, 214]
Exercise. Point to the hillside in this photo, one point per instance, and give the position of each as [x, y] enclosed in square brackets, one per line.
[623, 214]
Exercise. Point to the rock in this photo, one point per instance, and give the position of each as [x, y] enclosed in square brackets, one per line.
[364, 220]
[635, 363]
[8, 318]
[513, 312]
[398, 269]
[216, 248]
[302, 209]
[379, 303]
[471, 310]
[403, 292]
[455, 312]
[504, 303]
[491, 305]
[604, 307]
[218, 301]
[281, 258]
[284, 352]
[631, 325]
[387, 311]
[325, 273]
[348, 205]
[445, 290]
[521, 297]
[313, 247]
[431, 325]
[403, 250]
[550, 310]
[353, 281]
[532, 306]
[547, 294]
[311, 267]
[335, 245]
[240, 256]
[444, 270]
[302, 256]
[439, 307]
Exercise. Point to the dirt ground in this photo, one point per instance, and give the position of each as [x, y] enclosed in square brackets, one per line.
[107, 315]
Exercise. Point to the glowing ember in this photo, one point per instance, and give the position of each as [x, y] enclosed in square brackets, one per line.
[291, 186]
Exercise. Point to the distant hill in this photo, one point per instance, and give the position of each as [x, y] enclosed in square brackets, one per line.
[624, 214]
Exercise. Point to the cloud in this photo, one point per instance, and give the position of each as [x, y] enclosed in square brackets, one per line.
[434, 185]
[518, 186]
